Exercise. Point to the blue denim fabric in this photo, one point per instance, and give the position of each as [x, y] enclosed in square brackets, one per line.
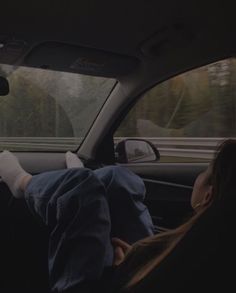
[83, 210]
[125, 193]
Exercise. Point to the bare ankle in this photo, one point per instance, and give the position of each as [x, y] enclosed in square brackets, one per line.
[25, 181]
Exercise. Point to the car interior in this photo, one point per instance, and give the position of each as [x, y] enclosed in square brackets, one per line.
[130, 47]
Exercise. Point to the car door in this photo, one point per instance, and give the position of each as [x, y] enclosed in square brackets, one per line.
[168, 190]
[185, 118]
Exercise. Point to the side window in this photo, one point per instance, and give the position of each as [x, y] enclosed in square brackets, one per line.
[188, 115]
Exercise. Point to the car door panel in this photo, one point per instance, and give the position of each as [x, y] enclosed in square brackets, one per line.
[168, 190]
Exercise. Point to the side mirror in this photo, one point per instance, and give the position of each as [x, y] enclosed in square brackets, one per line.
[136, 151]
[4, 86]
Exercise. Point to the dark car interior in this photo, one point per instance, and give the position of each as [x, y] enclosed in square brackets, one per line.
[201, 269]
[140, 43]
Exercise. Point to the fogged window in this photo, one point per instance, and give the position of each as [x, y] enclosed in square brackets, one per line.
[192, 111]
[48, 110]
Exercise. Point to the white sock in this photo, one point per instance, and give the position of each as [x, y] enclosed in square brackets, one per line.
[73, 161]
[12, 173]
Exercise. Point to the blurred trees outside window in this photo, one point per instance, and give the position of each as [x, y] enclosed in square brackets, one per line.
[198, 103]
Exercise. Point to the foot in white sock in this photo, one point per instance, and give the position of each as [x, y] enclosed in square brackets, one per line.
[12, 173]
[73, 161]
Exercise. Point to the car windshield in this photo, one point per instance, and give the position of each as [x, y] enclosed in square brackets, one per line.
[49, 110]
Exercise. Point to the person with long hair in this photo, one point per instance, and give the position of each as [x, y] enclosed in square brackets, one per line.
[213, 200]
[133, 264]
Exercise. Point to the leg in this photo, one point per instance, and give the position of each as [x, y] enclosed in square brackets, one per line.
[125, 193]
[72, 204]
[130, 218]
[13, 174]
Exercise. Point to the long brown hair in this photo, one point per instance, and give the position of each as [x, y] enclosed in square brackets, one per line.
[148, 253]
[224, 170]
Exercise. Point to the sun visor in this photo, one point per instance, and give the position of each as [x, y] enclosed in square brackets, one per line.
[64, 57]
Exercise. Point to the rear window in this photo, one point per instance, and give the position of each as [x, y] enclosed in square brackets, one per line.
[48, 110]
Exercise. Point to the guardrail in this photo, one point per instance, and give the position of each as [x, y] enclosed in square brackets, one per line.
[211, 142]
[40, 143]
[53, 140]
[187, 147]
[200, 147]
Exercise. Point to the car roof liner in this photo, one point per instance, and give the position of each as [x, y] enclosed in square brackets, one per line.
[176, 35]
[72, 58]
